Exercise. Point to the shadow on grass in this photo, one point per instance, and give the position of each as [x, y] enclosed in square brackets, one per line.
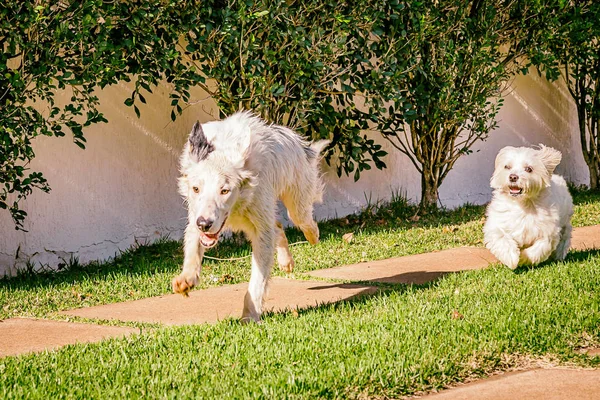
[387, 286]
[166, 255]
[383, 289]
[132, 261]
[397, 215]
[583, 195]
[572, 256]
[582, 255]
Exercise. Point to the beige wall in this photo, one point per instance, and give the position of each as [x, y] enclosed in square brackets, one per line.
[122, 188]
[119, 191]
[534, 112]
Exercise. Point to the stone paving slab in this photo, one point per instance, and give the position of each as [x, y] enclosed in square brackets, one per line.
[214, 304]
[591, 352]
[423, 268]
[22, 335]
[417, 269]
[19, 336]
[542, 384]
[585, 238]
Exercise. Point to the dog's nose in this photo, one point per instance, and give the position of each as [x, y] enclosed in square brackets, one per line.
[204, 224]
[513, 177]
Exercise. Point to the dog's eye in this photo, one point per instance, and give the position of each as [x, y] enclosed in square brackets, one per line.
[195, 189]
[507, 167]
[225, 191]
[528, 169]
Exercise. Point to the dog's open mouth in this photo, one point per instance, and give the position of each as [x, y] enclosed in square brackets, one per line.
[209, 240]
[515, 190]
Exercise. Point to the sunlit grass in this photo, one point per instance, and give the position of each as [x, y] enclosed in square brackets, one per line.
[390, 230]
[398, 342]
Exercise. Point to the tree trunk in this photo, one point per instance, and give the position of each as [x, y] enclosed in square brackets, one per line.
[589, 140]
[588, 148]
[429, 192]
[594, 176]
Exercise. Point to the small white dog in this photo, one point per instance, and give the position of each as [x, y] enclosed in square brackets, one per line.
[529, 218]
[233, 172]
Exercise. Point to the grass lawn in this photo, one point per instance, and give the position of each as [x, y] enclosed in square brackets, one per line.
[403, 340]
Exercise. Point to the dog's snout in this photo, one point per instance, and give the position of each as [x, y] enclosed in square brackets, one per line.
[513, 177]
[204, 224]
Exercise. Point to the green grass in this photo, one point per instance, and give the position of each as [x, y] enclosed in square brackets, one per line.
[395, 343]
[403, 340]
[388, 231]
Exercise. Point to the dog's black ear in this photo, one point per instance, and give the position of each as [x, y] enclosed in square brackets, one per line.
[200, 148]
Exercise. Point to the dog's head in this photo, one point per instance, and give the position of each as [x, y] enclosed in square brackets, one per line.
[213, 177]
[523, 172]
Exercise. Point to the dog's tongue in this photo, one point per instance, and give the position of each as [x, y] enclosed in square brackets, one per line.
[515, 190]
[209, 239]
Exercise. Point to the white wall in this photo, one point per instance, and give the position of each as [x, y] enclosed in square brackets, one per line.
[122, 188]
[534, 112]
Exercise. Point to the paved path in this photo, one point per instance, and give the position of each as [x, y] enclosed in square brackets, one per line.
[585, 238]
[418, 268]
[422, 268]
[22, 335]
[19, 336]
[539, 384]
[214, 304]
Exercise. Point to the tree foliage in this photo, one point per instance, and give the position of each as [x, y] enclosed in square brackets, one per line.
[295, 63]
[292, 62]
[77, 46]
[442, 67]
[570, 49]
[427, 75]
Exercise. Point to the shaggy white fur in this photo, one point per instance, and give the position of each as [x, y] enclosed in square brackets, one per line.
[529, 217]
[233, 172]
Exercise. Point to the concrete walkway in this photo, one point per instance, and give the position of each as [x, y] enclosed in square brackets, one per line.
[422, 268]
[214, 304]
[18, 336]
[417, 269]
[23, 335]
[538, 384]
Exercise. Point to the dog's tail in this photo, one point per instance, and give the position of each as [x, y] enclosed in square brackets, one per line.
[313, 153]
[319, 145]
[314, 149]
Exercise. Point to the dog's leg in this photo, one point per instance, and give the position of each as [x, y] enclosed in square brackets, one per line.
[192, 261]
[564, 244]
[503, 247]
[284, 256]
[538, 252]
[311, 231]
[300, 210]
[263, 246]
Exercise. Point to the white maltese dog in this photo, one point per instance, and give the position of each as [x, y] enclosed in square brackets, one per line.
[529, 218]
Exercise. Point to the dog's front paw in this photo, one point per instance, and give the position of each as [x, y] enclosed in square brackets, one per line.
[183, 284]
[250, 320]
[511, 259]
[524, 258]
[287, 266]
